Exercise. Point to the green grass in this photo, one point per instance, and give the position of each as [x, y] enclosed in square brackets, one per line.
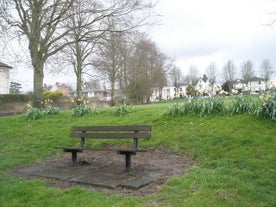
[234, 159]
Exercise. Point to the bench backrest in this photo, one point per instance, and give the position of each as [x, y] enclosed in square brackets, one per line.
[112, 132]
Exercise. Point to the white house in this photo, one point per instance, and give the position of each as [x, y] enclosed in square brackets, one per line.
[257, 84]
[4, 78]
[168, 93]
[254, 85]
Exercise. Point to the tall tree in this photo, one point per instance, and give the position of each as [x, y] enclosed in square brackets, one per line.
[247, 72]
[211, 74]
[175, 76]
[42, 23]
[266, 70]
[147, 70]
[192, 75]
[229, 72]
[109, 59]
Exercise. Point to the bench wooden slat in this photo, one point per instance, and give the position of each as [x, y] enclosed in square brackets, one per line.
[111, 135]
[112, 128]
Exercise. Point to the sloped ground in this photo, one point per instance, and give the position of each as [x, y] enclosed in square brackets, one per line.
[150, 169]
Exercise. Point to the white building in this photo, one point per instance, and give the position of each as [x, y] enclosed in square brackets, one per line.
[168, 93]
[254, 85]
[4, 78]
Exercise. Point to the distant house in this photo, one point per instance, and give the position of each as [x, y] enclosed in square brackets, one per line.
[239, 84]
[4, 78]
[168, 93]
[202, 86]
[63, 88]
[254, 85]
[257, 84]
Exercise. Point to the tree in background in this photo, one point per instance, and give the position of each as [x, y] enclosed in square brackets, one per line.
[247, 72]
[109, 59]
[229, 72]
[192, 76]
[211, 74]
[146, 70]
[266, 70]
[42, 23]
[97, 23]
[15, 88]
[45, 25]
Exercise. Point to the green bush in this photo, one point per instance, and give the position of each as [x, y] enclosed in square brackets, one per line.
[8, 98]
[267, 108]
[52, 95]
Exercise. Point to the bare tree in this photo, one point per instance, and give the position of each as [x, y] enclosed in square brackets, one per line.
[147, 70]
[45, 25]
[192, 75]
[175, 76]
[83, 36]
[266, 70]
[42, 23]
[229, 72]
[247, 72]
[109, 59]
[211, 74]
[101, 21]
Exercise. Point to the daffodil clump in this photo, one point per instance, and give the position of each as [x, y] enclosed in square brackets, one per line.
[123, 109]
[82, 108]
[202, 107]
[267, 108]
[243, 105]
[33, 113]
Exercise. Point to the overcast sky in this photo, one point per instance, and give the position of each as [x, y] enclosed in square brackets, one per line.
[198, 32]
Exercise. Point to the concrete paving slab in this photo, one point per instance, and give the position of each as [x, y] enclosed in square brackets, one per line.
[99, 179]
[137, 183]
[45, 171]
[96, 178]
[34, 170]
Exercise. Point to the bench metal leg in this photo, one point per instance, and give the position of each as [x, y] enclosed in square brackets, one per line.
[128, 162]
[74, 156]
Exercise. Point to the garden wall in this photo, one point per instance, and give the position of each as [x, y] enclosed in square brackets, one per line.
[64, 103]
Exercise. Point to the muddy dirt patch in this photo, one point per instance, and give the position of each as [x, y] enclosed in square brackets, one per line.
[149, 171]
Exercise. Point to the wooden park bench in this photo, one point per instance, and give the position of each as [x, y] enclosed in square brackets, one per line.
[109, 132]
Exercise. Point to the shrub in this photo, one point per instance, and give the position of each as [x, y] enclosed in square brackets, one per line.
[52, 95]
[267, 108]
[8, 98]
[123, 109]
[243, 105]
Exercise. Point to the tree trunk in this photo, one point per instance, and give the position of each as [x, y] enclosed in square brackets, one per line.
[38, 84]
[79, 82]
[112, 93]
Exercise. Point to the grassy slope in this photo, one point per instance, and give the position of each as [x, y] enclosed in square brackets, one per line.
[235, 159]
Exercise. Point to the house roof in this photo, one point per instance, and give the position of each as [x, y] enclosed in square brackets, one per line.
[3, 65]
[257, 79]
[237, 81]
